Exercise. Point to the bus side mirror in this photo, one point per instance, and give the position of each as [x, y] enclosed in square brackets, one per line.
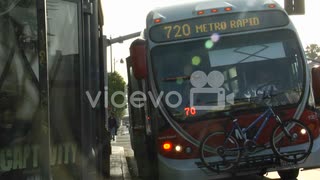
[316, 84]
[294, 7]
[139, 58]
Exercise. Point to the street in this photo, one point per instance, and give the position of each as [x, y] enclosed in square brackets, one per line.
[123, 139]
[303, 175]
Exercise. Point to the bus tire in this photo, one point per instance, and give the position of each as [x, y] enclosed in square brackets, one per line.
[146, 158]
[262, 172]
[289, 174]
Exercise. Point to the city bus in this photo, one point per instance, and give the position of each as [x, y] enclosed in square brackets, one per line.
[196, 68]
[52, 57]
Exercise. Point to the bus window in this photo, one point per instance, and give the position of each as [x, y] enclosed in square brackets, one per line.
[64, 69]
[237, 59]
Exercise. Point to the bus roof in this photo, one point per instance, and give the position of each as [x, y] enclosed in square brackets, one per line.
[189, 10]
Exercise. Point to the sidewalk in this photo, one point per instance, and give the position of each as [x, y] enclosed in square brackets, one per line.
[118, 165]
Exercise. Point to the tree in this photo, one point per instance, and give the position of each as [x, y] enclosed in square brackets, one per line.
[116, 87]
[313, 52]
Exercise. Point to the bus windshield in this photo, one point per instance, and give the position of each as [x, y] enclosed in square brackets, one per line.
[242, 72]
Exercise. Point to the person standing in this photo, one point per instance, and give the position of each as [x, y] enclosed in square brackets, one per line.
[112, 124]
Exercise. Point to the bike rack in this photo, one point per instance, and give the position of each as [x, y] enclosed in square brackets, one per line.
[253, 163]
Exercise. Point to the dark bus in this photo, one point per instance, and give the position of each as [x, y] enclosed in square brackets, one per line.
[52, 57]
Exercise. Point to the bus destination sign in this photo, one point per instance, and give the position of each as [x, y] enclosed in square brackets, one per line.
[222, 24]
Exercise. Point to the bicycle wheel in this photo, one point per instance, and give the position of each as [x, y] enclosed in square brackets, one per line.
[219, 153]
[292, 141]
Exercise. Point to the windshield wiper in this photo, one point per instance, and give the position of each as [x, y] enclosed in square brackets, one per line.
[175, 78]
[239, 105]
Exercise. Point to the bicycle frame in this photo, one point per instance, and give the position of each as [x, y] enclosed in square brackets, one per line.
[243, 131]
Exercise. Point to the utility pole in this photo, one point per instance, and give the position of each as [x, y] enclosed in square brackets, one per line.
[119, 39]
[110, 53]
[114, 64]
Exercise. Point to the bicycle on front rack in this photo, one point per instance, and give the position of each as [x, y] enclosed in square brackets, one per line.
[220, 151]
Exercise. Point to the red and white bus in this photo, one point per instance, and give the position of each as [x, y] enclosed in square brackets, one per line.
[199, 61]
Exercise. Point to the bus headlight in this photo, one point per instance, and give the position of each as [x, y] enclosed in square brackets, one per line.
[178, 148]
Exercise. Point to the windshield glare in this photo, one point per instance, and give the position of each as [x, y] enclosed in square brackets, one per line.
[229, 73]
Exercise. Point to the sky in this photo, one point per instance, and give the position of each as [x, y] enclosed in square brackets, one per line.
[124, 17]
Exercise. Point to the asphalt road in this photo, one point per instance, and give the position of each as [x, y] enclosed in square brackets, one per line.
[303, 175]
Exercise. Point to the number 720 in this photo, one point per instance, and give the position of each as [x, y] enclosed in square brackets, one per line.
[177, 31]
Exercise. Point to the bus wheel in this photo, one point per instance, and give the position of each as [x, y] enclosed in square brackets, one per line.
[290, 174]
[262, 172]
